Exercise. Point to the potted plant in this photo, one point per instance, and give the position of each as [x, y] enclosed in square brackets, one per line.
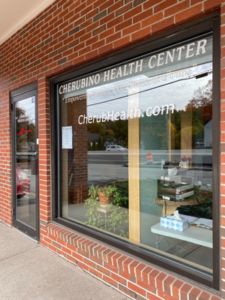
[185, 162]
[104, 194]
[117, 212]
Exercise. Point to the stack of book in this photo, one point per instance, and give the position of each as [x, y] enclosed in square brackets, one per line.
[169, 190]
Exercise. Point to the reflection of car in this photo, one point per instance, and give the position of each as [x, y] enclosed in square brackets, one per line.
[115, 148]
[22, 183]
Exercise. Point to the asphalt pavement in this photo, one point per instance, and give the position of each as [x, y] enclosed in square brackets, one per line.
[30, 271]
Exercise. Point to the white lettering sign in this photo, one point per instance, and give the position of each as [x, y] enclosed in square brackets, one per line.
[155, 61]
[124, 115]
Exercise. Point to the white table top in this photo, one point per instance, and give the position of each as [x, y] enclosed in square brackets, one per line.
[195, 235]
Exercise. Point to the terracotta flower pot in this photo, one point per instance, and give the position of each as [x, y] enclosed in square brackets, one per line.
[103, 199]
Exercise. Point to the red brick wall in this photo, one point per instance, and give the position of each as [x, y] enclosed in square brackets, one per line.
[70, 33]
[130, 276]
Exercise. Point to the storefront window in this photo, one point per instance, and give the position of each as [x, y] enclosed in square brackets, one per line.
[136, 151]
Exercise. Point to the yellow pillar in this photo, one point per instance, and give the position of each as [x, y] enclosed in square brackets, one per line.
[134, 164]
[186, 135]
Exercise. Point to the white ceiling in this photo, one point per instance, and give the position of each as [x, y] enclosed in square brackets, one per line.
[14, 14]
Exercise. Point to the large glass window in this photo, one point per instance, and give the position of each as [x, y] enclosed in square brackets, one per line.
[136, 151]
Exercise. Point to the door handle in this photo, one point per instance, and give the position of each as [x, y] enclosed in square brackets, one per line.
[34, 167]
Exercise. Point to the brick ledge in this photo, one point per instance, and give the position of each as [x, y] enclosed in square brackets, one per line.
[129, 276]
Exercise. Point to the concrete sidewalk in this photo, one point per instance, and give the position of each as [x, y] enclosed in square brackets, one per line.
[30, 271]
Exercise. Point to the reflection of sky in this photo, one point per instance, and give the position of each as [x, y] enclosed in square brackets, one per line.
[28, 105]
[176, 90]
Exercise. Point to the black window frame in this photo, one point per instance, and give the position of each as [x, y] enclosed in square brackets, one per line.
[210, 23]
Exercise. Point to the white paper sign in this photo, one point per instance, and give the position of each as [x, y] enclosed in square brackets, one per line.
[67, 137]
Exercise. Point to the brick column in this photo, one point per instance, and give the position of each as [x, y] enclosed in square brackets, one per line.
[5, 157]
[44, 151]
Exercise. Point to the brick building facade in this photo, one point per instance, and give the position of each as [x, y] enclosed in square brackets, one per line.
[71, 34]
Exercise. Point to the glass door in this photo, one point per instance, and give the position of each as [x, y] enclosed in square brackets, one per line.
[25, 163]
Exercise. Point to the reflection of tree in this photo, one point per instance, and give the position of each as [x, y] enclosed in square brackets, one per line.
[157, 132]
[153, 132]
[19, 138]
[112, 132]
[180, 124]
[202, 102]
[202, 96]
[200, 110]
[25, 130]
[120, 130]
[193, 125]
[96, 128]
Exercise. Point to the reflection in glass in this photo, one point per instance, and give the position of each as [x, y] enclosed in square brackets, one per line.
[25, 160]
[142, 149]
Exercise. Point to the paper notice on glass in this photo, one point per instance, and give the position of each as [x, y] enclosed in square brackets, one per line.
[67, 137]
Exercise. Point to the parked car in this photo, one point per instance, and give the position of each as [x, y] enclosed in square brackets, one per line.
[22, 183]
[115, 148]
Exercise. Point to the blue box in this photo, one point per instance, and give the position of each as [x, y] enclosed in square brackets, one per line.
[177, 225]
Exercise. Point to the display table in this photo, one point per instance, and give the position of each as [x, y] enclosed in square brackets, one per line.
[195, 235]
[106, 210]
[192, 167]
[170, 206]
